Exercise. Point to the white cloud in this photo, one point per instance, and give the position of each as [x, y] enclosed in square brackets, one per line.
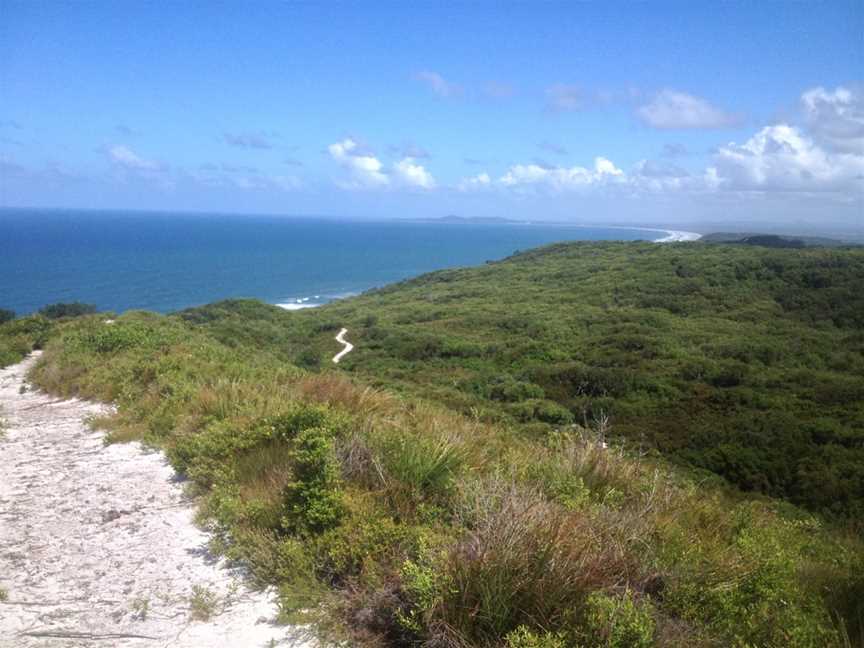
[479, 181]
[410, 174]
[438, 84]
[365, 170]
[561, 178]
[671, 109]
[781, 158]
[836, 118]
[127, 159]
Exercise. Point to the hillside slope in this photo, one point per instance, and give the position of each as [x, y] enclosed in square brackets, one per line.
[481, 496]
[744, 361]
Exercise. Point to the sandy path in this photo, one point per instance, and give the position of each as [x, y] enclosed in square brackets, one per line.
[340, 338]
[98, 545]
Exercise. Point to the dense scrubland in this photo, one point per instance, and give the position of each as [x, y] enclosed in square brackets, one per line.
[582, 445]
[746, 362]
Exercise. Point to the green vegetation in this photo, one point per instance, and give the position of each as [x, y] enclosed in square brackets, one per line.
[6, 315]
[73, 309]
[19, 336]
[773, 240]
[745, 362]
[202, 603]
[450, 482]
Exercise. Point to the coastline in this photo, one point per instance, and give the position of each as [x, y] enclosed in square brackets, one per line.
[677, 236]
[670, 236]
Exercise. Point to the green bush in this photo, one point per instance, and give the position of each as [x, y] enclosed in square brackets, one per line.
[542, 410]
[427, 465]
[523, 637]
[6, 315]
[618, 621]
[313, 500]
[72, 309]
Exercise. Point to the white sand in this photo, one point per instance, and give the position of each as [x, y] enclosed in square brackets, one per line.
[98, 545]
[673, 236]
[340, 338]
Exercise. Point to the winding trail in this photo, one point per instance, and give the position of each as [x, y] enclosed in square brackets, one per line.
[340, 338]
[98, 545]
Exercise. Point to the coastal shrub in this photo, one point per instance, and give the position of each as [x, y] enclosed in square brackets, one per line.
[523, 637]
[362, 544]
[752, 593]
[113, 338]
[522, 561]
[426, 465]
[299, 417]
[19, 336]
[6, 315]
[505, 388]
[313, 500]
[542, 410]
[618, 621]
[72, 309]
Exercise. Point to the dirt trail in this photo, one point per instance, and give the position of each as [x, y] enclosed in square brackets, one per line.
[340, 338]
[98, 545]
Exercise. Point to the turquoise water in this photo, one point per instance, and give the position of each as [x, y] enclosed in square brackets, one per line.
[164, 262]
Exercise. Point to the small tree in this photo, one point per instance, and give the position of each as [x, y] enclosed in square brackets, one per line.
[6, 315]
[73, 309]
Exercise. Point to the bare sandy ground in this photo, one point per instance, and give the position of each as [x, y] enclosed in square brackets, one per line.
[98, 545]
[340, 338]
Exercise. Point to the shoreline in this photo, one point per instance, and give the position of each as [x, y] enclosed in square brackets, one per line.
[677, 236]
[670, 236]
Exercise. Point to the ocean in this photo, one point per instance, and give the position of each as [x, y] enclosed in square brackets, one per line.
[165, 262]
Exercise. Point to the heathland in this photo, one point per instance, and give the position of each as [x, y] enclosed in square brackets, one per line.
[588, 444]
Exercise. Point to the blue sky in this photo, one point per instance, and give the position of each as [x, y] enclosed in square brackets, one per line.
[697, 114]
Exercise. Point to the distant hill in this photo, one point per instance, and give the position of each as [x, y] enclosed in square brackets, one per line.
[774, 240]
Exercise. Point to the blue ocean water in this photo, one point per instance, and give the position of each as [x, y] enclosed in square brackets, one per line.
[165, 262]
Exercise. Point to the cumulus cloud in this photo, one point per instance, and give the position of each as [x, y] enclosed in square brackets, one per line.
[410, 174]
[561, 178]
[782, 158]
[671, 109]
[367, 172]
[562, 97]
[836, 117]
[479, 181]
[778, 159]
[127, 159]
[438, 84]
[248, 140]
